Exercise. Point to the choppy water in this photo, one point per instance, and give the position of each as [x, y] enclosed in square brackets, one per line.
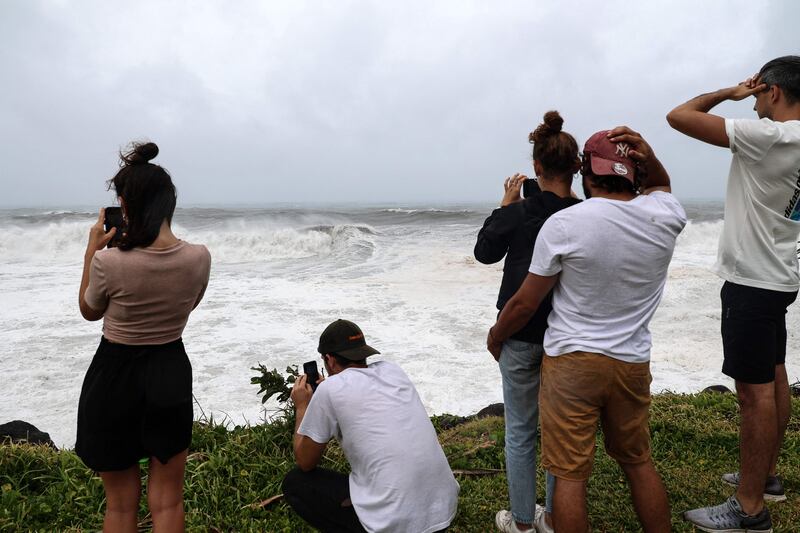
[280, 275]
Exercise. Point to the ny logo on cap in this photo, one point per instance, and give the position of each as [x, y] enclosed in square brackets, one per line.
[622, 149]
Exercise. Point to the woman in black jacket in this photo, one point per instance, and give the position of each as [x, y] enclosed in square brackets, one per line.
[510, 232]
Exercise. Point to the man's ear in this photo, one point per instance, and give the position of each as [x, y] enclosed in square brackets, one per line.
[775, 94]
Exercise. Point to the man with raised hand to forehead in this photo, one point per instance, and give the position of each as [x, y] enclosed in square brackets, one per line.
[757, 258]
[606, 261]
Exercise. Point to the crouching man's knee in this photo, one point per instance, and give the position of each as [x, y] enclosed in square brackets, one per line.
[293, 482]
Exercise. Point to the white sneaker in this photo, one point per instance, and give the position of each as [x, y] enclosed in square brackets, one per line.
[538, 521]
[505, 523]
[729, 517]
[773, 490]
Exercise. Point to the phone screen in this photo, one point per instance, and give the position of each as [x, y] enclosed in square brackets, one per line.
[530, 187]
[310, 369]
[113, 220]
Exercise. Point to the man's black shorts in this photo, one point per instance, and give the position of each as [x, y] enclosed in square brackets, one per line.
[753, 331]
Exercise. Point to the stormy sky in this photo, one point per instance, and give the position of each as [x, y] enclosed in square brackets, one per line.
[368, 102]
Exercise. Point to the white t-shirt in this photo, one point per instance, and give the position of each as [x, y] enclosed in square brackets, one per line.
[613, 257]
[400, 479]
[758, 245]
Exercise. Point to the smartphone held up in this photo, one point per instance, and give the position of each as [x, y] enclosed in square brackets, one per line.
[113, 219]
[530, 187]
[312, 373]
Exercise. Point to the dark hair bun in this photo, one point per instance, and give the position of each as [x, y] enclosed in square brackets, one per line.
[140, 153]
[551, 125]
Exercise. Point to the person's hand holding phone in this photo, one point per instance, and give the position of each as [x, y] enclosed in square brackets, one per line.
[98, 237]
[312, 374]
[301, 393]
[513, 185]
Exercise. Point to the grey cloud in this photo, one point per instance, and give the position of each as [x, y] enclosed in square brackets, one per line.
[411, 102]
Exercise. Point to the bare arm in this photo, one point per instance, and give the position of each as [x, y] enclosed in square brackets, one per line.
[519, 310]
[657, 177]
[98, 238]
[307, 452]
[693, 118]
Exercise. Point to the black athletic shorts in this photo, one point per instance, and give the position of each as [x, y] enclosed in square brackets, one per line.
[136, 402]
[753, 331]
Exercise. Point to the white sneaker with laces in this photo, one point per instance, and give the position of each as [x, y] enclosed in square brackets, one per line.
[773, 490]
[729, 517]
[505, 523]
[539, 522]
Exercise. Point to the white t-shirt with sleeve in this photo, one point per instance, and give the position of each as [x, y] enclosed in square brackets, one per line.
[612, 257]
[400, 479]
[758, 245]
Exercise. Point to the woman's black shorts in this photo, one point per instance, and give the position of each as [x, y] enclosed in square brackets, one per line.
[136, 402]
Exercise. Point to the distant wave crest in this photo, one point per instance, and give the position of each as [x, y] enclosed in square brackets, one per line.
[64, 241]
[257, 243]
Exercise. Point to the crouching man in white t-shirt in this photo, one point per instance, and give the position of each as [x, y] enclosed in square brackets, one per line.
[606, 260]
[400, 479]
[757, 258]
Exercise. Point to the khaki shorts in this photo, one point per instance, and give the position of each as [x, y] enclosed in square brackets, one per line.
[577, 390]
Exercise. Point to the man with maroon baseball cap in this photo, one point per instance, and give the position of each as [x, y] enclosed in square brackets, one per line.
[606, 261]
[375, 413]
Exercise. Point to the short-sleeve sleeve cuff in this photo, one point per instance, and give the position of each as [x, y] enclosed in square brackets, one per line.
[549, 246]
[544, 272]
[730, 129]
[96, 295]
[318, 423]
[316, 437]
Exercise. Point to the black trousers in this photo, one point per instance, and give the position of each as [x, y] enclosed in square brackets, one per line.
[322, 498]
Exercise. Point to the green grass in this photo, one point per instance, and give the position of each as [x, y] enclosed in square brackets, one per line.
[229, 472]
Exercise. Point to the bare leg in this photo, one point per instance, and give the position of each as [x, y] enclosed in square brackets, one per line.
[569, 507]
[123, 488]
[649, 496]
[757, 442]
[165, 493]
[783, 404]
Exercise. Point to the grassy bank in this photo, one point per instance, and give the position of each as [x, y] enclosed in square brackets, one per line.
[232, 474]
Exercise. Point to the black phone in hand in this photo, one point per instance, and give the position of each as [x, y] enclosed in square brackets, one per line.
[530, 187]
[113, 220]
[312, 373]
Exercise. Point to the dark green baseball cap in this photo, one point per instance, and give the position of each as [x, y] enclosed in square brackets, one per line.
[344, 338]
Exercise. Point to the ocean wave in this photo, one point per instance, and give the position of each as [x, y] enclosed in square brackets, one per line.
[65, 242]
[46, 217]
[697, 244]
[333, 228]
[416, 217]
[409, 211]
[258, 243]
[50, 242]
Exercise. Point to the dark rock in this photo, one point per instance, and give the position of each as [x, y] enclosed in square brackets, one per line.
[495, 409]
[795, 389]
[444, 422]
[721, 389]
[19, 431]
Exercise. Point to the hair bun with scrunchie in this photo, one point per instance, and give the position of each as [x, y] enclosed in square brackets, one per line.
[140, 153]
[551, 125]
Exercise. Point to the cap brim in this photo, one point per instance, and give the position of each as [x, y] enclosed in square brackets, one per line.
[357, 354]
[606, 167]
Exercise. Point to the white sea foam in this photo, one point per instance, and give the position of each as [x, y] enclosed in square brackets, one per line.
[278, 277]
